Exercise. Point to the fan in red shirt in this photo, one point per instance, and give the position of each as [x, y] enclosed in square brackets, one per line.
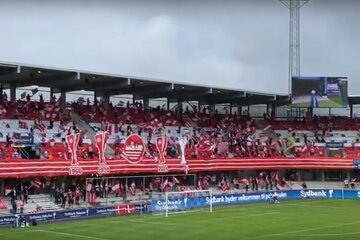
[70, 197]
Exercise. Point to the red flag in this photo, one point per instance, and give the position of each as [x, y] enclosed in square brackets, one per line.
[41, 127]
[176, 181]
[36, 183]
[161, 145]
[101, 141]
[125, 209]
[115, 187]
[72, 141]
[132, 189]
[8, 190]
[304, 148]
[23, 125]
[91, 197]
[225, 187]
[3, 204]
[164, 185]
[200, 185]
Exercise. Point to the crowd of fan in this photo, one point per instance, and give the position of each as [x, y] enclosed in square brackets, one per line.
[213, 135]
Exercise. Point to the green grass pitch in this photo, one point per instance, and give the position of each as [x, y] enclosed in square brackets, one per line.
[306, 219]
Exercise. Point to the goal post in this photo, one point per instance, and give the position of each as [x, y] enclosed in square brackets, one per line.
[187, 201]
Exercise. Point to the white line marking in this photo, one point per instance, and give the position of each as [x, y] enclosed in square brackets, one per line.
[245, 215]
[153, 223]
[301, 231]
[327, 234]
[150, 222]
[70, 234]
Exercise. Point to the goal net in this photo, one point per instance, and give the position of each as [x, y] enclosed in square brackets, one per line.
[182, 202]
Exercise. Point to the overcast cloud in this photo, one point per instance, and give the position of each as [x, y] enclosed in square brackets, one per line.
[232, 44]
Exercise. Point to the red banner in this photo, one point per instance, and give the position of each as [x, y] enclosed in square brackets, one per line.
[18, 168]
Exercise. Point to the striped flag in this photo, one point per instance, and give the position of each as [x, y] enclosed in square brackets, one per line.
[225, 187]
[3, 204]
[8, 190]
[36, 183]
[304, 148]
[164, 185]
[132, 189]
[91, 197]
[175, 180]
[200, 185]
[115, 187]
[41, 127]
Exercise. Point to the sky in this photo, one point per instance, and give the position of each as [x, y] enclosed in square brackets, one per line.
[231, 44]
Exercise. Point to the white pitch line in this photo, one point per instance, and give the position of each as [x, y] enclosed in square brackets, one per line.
[70, 234]
[327, 234]
[153, 223]
[149, 222]
[246, 215]
[301, 231]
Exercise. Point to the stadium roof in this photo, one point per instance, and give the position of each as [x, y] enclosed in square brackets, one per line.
[22, 75]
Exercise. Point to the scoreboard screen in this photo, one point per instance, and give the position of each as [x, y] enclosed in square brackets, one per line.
[319, 92]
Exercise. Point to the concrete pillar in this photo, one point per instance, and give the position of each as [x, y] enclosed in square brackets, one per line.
[2, 187]
[179, 108]
[239, 110]
[62, 99]
[12, 92]
[273, 111]
[96, 95]
[168, 104]
[212, 109]
[51, 93]
[106, 98]
[146, 103]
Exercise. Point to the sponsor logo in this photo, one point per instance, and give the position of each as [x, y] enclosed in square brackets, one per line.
[313, 193]
[41, 217]
[105, 211]
[231, 199]
[78, 213]
[160, 205]
[358, 194]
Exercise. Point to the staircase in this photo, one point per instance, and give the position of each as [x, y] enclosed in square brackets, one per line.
[35, 202]
[89, 132]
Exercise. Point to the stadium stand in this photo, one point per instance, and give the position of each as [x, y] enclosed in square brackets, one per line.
[228, 152]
